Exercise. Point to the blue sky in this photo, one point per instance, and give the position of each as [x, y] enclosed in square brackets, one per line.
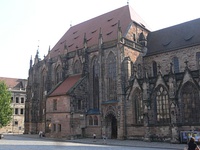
[25, 24]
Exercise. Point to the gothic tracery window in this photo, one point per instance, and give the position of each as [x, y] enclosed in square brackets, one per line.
[154, 68]
[176, 64]
[138, 106]
[95, 79]
[162, 105]
[190, 103]
[111, 63]
[58, 74]
[77, 67]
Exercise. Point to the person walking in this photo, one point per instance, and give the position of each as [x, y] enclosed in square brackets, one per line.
[192, 145]
[40, 134]
[94, 137]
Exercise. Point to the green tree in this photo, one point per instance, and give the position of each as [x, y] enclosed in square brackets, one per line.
[5, 105]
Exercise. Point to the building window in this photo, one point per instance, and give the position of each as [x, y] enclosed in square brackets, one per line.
[198, 60]
[12, 99]
[112, 90]
[95, 73]
[55, 104]
[162, 106]
[21, 111]
[176, 64]
[16, 111]
[17, 99]
[95, 120]
[16, 123]
[90, 120]
[22, 100]
[54, 127]
[138, 106]
[77, 67]
[134, 37]
[190, 103]
[79, 104]
[58, 74]
[59, 127]
[154, 68]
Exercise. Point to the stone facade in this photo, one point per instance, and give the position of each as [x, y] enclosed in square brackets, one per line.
[123, 81]
[17, 87]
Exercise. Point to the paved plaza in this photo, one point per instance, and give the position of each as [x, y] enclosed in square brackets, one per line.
[33, 142]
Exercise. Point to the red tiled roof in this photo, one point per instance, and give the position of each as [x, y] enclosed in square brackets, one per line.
[11, 82]
[108, 23]
[63, 88]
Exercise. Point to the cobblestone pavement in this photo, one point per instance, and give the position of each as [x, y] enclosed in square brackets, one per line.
[111, 142]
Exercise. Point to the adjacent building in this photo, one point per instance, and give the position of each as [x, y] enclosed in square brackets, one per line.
[17, 87]
[111, 75]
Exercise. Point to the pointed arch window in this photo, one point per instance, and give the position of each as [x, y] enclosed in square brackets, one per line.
[77, 67]
[138, 106]
[162, 105]
[154, 68]
[190, 103]
[176, 64]
[111, 76]
[58, 74]
[198, 60]
[95, 79]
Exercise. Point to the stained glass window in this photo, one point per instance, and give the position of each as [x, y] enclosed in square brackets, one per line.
[162, 106]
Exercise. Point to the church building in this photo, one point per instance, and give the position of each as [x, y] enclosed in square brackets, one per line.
[112, 76]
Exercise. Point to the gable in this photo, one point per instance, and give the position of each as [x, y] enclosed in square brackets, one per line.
[107, 24]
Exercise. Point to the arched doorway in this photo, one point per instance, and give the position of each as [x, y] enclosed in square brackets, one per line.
[111, 126]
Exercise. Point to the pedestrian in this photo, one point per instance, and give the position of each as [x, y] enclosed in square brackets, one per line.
[94, 137]
[192, 145]
[40, 134]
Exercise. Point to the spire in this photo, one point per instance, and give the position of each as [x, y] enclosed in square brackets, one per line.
[119, 31]
[186, 64]
[49, 52]
[171, 68]
[31, 61]
[37, 56]
[100, 38]
[85, 41]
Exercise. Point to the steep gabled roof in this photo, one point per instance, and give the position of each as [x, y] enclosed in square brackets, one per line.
[65, 86]
[108, 23]
[179, 36]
